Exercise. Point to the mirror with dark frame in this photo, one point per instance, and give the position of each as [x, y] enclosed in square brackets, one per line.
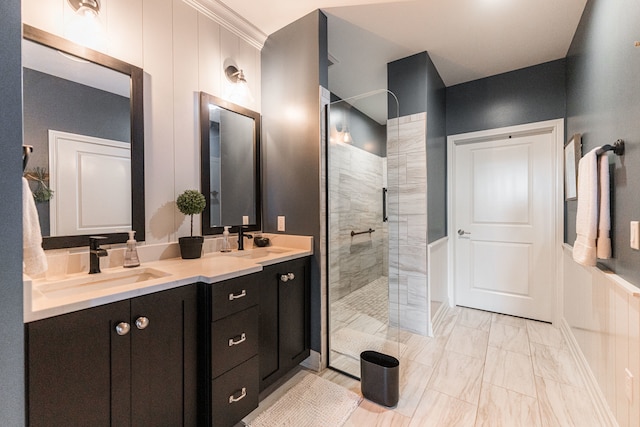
[83, 114]
[230, 165]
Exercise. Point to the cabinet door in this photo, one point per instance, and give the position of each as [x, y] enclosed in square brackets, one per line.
[294, 312]
[71, 362]
[164, 358]
[268, 350]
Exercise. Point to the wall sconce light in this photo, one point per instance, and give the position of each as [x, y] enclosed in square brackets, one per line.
[85, 28]
[238, 89]
[234, 75]
[85, 7]
[346, 135]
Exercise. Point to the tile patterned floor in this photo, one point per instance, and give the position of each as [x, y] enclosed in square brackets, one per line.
[482, 369]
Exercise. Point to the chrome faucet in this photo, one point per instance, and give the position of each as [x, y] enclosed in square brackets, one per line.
[95, 253]
[241, 237]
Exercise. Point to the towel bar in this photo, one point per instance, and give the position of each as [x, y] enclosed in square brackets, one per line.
[617, 148]
[353, 233]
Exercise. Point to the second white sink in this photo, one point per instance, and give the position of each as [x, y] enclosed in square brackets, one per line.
[259, 253]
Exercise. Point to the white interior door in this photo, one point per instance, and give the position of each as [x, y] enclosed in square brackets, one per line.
[91, 183]
[504, 217]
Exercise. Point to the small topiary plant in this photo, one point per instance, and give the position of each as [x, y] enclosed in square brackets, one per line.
[191, 202]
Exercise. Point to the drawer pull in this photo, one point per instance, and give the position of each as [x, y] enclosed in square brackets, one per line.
[243, 394]
[243, 338]
[238, 296]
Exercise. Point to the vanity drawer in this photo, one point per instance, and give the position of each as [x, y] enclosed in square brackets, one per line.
[234, 339]
[235, 394]
[232, 296]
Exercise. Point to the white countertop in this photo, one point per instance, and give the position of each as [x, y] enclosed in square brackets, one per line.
[41, 302]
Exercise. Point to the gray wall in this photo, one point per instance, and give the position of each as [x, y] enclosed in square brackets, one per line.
[366, 133]
[603, 104]
[436, 155]
[12, 405]
[294, 66]
[528, 95]
[419, 88]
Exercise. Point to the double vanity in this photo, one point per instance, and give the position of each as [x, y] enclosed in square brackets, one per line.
[172, 342]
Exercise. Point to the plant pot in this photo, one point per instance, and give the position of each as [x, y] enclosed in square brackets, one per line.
[191, 247]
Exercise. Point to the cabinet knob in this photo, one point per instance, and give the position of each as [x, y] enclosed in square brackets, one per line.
[287, 276]
[243, 394]
[123, 328]
[142, 322]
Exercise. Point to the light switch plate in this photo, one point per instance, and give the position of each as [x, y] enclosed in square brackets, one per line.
[280, 223]
[635, 235]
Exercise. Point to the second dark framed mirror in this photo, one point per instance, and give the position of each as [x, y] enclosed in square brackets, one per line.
[230, 165]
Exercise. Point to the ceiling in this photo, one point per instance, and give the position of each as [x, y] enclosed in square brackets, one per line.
[466, 39]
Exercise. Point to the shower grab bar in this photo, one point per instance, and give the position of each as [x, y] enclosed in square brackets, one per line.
[353, 233]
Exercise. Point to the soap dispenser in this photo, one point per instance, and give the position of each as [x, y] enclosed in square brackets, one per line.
[226, 245]
[131, 253]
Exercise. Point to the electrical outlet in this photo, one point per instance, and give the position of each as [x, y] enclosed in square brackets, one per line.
[635, 235]
[628, 384]
[280, 223]
[245, 220]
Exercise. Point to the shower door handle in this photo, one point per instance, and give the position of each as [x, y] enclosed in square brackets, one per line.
[384, 205]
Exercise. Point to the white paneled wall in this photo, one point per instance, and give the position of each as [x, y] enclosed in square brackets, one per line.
[182, 52]
[602, 313]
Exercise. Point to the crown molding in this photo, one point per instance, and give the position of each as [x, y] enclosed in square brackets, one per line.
[230, 20]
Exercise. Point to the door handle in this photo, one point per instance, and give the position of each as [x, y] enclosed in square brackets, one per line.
[461, 232]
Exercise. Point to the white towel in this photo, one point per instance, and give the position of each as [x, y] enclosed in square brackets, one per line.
[603, 243]
[34, 259]
[584, 248]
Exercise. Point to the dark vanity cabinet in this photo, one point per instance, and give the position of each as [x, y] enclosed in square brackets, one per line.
[284, 318]
[229, 357]
[132, 362]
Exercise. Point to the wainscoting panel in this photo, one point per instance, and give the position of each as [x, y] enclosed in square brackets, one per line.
[601, 321]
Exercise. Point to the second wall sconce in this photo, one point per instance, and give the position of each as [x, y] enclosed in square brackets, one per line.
[238, 90]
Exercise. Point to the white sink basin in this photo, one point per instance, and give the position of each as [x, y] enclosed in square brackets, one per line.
[259, 253]
[95, 282]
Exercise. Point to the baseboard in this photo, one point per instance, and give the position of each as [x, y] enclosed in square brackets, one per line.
[440, 314]
[313, 362]
[606, 416]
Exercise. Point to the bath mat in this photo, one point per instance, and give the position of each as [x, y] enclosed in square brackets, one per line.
[313, 402]
[351, 343]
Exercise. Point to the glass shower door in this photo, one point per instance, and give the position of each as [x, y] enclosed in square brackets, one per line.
[362, 196]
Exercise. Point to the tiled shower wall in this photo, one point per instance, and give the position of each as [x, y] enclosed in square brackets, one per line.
[356, 179]
[407, 163]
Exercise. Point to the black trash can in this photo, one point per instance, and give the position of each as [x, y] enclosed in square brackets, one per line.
[380, 378]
